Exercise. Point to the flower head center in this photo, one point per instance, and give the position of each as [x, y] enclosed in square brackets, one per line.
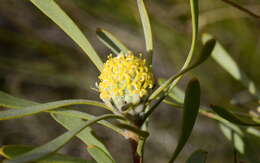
[125, 75]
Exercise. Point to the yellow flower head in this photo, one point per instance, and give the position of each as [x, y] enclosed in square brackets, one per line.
[125, 76]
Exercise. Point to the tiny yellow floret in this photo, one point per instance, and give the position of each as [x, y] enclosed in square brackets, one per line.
[125, 75]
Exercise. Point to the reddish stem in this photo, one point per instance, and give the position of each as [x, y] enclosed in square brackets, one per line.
[136, 158]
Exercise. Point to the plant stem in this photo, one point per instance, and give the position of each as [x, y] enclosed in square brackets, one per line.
[136, 157]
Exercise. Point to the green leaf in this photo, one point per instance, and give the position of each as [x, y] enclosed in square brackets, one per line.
[205, 53]
[74, 114]
[230, 117]
[51, 9]
[111, 41]
[190, 112]
[146, 28]
[86, 135]
[99, 155]
[194, 7]
[199, 156]
[9, 101]
[54, 145]
[11, 151]
[221, 56]
[30, 110]
[245, 143]
[68, 118]
[234, 134]
[253, 131]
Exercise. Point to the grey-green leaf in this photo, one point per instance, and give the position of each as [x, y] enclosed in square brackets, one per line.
[234, 134]
[99, 155]
[74, 114]
[111, 41]
[230, 117]
[54, 145]
[9, 101]
[221, 56]
[199, 156]
[191, 109]
[30, 110]
[146, 25]
[63, 116]
[51, 9]
[12, 102]
[11, 151]
[86, 135]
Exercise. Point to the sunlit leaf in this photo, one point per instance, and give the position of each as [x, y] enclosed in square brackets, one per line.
[86, 135]
[234, 134]
[190, 112]
[54, 145]
[68, 118]
[253, 131]
[99, 155]
[146, 28]
[245, 143]
[57, 15]
[221, 56]
[230, 117]
[199, 156]
[11, 151]
[111, 41]
[30, 110]
[12, 102]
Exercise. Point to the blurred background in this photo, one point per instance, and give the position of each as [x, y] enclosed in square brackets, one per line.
[40, 62]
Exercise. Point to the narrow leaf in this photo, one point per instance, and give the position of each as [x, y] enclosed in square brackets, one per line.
[86, 135]
[194, 7]
[205, 53]
[146, 25]
[199, 156]
[221, 56]
[11, 114]
[11, 151]
[12, 102]
[191, 109]
[230, 117]
[111, 41]
[57, 143]
[51, 9]
[99, 155]
[68, 118]
[74, 114]
[9, 101]
[234, 134]
[253, 131]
